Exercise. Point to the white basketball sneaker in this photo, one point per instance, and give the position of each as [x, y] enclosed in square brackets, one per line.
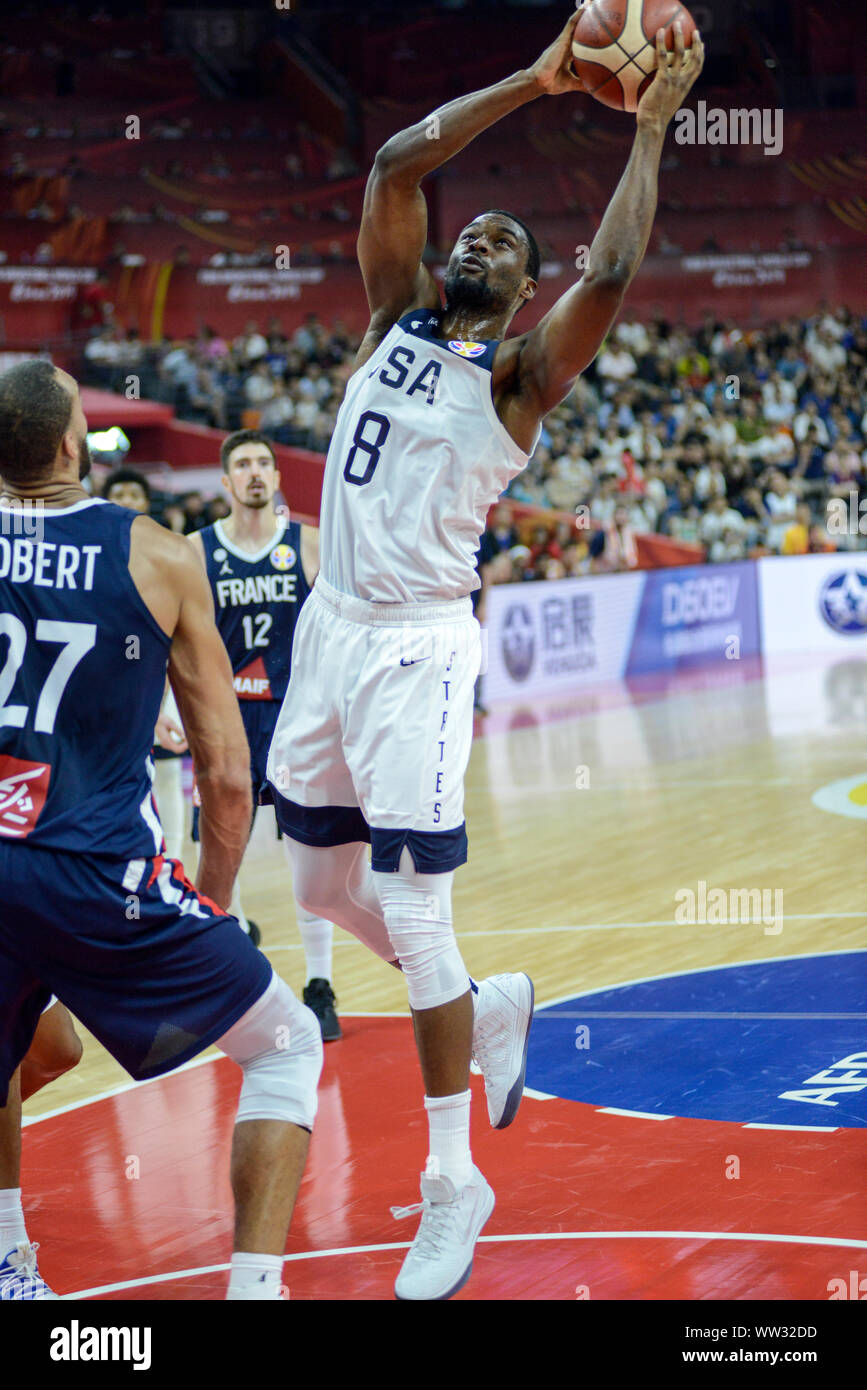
[501, 1036]
[19, 1277]
[440, 1259]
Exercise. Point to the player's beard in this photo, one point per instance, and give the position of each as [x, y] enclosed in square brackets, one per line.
[468, 291]
[84, 459]
[256, 502]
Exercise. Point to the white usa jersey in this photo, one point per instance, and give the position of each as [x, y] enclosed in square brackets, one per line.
[418, 456]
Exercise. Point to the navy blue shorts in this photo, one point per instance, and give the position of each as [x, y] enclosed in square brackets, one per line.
[260, 719]
[155, 971]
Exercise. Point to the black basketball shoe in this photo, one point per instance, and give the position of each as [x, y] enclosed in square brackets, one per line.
[319, 996]
[253, 932]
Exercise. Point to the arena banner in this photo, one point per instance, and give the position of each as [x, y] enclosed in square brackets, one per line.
[696, 614]
[558, 635]
[229, 297]
[37, 302]
[814, 603]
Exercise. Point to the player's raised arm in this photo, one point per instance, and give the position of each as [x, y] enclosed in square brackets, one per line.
[569, 336]
[393, 229]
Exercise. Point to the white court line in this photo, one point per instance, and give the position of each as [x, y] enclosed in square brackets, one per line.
[538, 1095]
[694, 970]
[494, 932]
[822, 1129]
[567, 787]
[490, 1240]
[351, 941]
[632, 1114]
[119, 1090]
[123, 1086]
[668, 1014]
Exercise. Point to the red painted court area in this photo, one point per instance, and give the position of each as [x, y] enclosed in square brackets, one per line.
[129, 1196]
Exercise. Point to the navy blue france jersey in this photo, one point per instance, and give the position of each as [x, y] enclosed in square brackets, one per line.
[82, 673]
[257, 599]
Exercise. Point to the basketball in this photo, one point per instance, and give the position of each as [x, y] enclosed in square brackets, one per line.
[614, 46]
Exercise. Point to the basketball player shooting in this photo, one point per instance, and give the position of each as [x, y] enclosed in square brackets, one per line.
[374, 737]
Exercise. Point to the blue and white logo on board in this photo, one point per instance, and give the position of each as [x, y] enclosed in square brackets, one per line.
[466, 349]
[282, 557]
[519, 641]
[843, 602]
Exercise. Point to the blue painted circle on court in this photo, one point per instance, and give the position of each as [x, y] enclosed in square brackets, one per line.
[773, 1041]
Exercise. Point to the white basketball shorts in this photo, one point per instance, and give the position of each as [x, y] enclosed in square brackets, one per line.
[374, 736]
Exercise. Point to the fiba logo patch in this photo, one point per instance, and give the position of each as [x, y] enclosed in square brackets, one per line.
[282, 557]
[518, 642]
[467, 349]
[843, 603]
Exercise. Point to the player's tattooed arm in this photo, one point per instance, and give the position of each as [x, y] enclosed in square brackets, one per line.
[571, 333]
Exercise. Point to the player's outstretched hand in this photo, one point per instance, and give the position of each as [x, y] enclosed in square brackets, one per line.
[675, 74]
[553, 71]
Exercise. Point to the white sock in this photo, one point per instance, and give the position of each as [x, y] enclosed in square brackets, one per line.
[317, 936]
[255, 1276]
[12, 1228]
[448, 1120]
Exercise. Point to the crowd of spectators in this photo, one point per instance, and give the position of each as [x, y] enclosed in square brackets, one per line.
[734, 441]
[730, 439]
[289, 386]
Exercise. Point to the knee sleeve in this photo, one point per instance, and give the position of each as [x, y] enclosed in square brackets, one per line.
[337, 883]
[278, 1046]
[418, 914]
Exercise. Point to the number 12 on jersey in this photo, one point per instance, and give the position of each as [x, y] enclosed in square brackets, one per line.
[263, 623]
[371, 447]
